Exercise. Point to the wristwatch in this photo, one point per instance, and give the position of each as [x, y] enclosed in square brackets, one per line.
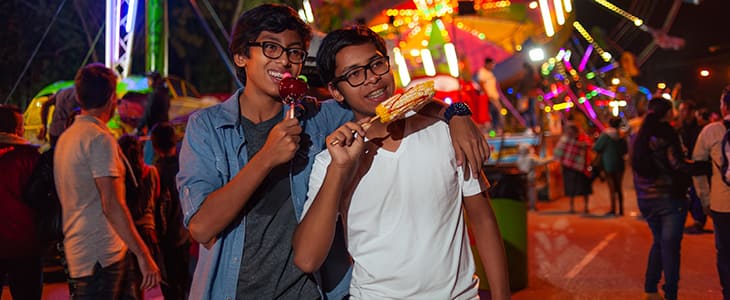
[456, 109]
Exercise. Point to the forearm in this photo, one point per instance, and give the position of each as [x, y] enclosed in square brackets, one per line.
[313, 236]
[489, 244]
[702, 185]
[121, 220]
[434, 109]
[111, 190]
[224, 205]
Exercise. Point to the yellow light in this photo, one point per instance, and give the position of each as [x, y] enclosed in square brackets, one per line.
[428, 65]
[638, 22]
[564, 105]
[615, 81]
[606, 56]
[308, 11]
[568, 5]
[405, 77]
[547, 18]
[548, 109]
[424, 43]
[532, 5]
[615, 105]
[559, 14]
[415, 52]
[451, 59]
[705, 73]
[661, 85]
[503, 111]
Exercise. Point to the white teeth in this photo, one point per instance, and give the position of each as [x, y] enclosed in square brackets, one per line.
[275, 74]
[376, 93]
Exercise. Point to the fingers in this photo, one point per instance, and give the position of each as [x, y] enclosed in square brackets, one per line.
[150, 280]
[346, 134]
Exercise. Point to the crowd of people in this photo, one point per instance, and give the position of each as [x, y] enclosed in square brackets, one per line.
[278, 210]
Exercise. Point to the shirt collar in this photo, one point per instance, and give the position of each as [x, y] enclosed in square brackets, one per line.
[230, 111]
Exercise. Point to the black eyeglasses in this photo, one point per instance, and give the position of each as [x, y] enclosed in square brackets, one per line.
[273, 50]
[358, 75]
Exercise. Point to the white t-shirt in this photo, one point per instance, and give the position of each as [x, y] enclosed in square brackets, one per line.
[86, 151]
[405, 229]
[715, 193]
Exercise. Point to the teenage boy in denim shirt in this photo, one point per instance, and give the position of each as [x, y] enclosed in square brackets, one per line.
[244, 168]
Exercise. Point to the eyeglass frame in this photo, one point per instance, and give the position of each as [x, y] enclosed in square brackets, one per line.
[283, 49]
[365, 68]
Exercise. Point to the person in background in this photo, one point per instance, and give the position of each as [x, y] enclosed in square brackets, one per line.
[142, 189]
[703, 116]
[527, 161]
[661, 178]
[612, 147]
[373, 184]
[20, 253]
[157, 106]
[715, 192]
[174, 239]
[490, 87]
[65, 103]
[89, 172]
[572, 153]
[689, 128]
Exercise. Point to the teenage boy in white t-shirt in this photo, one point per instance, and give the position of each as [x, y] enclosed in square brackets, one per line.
[398, 189]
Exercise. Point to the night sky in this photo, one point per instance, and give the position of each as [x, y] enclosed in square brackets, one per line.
[701, 26]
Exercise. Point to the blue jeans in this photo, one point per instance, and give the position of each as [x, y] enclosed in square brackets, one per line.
[25, 276]
[721, 221]
[665, 218]
[496, 117]
[695, 207]
[111, 282]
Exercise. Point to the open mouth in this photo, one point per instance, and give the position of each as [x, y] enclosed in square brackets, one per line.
[378, 95]
[276, 75]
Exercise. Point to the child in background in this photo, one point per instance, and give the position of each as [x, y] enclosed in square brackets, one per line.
[527, 161]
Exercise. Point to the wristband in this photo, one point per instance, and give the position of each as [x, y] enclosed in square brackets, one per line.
[456, 109]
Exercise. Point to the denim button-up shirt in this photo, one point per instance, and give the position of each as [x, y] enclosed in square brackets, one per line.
[212, 153]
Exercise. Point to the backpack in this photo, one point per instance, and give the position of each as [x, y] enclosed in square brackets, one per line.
[40, 194]
[724, 166]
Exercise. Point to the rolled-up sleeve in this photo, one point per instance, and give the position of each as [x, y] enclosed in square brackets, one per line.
[198, 175]
[701, 152]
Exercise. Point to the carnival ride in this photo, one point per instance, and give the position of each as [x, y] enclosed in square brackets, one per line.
[121, 16]
[579, 71]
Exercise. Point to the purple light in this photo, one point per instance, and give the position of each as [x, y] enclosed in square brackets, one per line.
[584, 60]
[607, 68]
[605, 92]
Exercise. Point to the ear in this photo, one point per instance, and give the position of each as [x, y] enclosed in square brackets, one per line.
[240, 60]
[335, 92]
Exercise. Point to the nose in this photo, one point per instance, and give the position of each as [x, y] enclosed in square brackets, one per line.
[371, 77]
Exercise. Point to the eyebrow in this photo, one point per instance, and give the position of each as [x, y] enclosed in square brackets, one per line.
[351, 67]
[268, 37]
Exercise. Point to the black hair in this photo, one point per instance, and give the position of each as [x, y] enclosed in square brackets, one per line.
[339, 39]
[274, 18]
[94, 85]
[488, 60]
[132, 149]
[725, 96]
[8, 118]
[614, 122]
[652, 126]
[163, 136]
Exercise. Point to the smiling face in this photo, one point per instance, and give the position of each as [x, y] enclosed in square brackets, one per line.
[377, 88]
[263, 74]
